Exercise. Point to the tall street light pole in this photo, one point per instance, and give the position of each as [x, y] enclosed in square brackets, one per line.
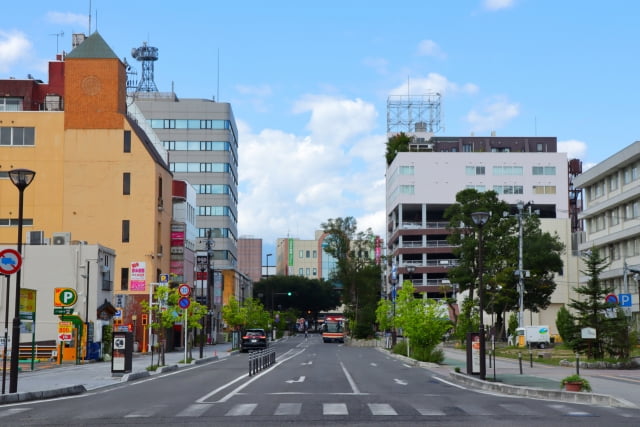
[21, 178]
[520, 269]
[480, 219]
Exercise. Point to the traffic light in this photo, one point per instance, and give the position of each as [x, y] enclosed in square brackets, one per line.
[289, 293]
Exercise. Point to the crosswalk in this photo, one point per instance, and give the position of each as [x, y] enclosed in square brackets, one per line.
[361, 409]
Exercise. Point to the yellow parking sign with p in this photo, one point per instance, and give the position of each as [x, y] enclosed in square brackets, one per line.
[64, 297]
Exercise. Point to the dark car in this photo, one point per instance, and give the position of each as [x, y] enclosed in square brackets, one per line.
[253, 339]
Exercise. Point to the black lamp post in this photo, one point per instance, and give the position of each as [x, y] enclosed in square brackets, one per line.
[21, 178]
[410, 270]
[480, 219]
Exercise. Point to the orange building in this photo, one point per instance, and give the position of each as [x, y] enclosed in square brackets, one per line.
[99, 177]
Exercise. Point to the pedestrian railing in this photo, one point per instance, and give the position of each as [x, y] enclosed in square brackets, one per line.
[261, 359]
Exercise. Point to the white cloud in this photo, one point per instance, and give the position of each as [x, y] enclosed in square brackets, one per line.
[290, 184]
[493, 115]
[14, 47]
[68, 18]
[430, 48]
[335, 121]
[498, 4]
[433, 83]
[575, 149]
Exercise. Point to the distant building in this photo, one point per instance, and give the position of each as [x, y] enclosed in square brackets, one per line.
[250, 257]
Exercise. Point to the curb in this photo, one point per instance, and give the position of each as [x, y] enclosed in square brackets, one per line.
[544, 394]
[39, 395]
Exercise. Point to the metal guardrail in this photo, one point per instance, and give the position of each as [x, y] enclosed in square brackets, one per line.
[261, 359]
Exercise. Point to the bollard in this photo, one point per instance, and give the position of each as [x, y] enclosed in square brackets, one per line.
[577, 364]
[531, 358]
[520, 361]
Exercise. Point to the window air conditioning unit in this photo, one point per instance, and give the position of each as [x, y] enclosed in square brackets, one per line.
[61, 238]
[35, 238]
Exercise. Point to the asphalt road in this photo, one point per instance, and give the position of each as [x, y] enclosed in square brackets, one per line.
[312, 383]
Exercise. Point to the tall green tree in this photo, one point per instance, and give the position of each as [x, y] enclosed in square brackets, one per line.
[541, 254]
[355, 271]
[307, 296]
[592, 310]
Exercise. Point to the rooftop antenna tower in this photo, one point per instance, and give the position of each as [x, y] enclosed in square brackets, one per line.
[147, 55]
[58, 35]
[414, 113]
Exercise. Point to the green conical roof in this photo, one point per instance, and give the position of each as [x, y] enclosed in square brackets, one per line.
[93, 46]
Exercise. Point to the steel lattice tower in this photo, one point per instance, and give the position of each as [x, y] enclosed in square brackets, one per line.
[147, 55]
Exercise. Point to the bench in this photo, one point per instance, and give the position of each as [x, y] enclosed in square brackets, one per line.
[40, 352]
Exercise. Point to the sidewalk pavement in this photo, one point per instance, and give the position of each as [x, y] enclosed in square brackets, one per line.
[52, 380]
[611, 387]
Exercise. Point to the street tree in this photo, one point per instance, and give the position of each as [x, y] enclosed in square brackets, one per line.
[541, 255]
[592, 310]
[166, 312]
[396, 144]
[423, 322]
[355, 271]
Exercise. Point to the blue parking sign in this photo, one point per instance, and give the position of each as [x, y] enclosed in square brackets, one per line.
[625, 300]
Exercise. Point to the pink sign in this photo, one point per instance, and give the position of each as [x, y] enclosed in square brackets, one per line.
[138, 273]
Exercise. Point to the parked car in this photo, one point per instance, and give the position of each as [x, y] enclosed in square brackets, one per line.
[253, 339]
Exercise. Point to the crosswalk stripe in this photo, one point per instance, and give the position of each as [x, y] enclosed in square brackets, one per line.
[381, 409]
[288, 409]
[193, 410]
[334, 409]
[242, 409]
[430, 412]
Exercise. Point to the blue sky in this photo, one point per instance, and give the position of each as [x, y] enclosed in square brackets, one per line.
[309, 84]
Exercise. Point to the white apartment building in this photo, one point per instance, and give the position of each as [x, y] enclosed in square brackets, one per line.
[422, 184]
[612, 221]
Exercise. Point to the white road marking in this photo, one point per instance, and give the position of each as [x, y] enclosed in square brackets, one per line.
[13, 411]
[352, 383]
[299, 380]
[193, 410]
[381, 409]
[242, 409]
[430, 412]
[401, 382]
[334, 409]
[288, 409]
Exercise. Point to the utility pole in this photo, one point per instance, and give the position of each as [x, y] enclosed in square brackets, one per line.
[520, 268]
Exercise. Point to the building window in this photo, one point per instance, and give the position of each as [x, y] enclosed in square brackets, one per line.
[508, 189]
[124, 279]
[544, 189]
[125, 231]
[543, 170]
[126, 183]
[315, 271]
[407, 189]
[127, 141]
[407, 170]
[308, 272]
[300, 254]
[10, 103]
[315, 254]
[539, 147]
[17, 136]
[507, 171]
[614, 219]
[300, 272]
[474, 170]
[613, 182]
[308, 253]
[478, 188]
[467, 148]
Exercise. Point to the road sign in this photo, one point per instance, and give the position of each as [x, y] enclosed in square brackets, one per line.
[62, 310]
[164, 278]
[184, 290]
[10, 261]
[64, 297]
[118, 314]
[184, 302]
[625, 300]
[611, 299]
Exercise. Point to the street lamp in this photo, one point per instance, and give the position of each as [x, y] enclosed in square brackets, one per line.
[410, 270]
[268, 255]
[480, 219]
[21, 178]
